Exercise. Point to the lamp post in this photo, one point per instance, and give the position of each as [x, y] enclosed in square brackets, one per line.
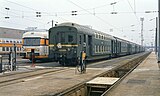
[52, 22]
[156, 43]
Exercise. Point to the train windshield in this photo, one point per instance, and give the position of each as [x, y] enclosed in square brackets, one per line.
[66, 37]
[31, 42]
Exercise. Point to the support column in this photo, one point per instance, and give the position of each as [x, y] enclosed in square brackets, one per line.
[158, 34]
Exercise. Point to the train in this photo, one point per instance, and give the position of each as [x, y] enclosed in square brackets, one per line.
[7, 45]
[67, 40]
[35, 42]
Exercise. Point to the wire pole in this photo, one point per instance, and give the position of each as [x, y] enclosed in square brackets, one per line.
[142, 19]
[156, 36]
[158, 33]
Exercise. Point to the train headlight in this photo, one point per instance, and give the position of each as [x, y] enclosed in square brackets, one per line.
[59, 45]
[37, 49]
[68, 49]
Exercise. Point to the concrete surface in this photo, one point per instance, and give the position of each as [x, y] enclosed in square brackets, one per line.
[143, 81]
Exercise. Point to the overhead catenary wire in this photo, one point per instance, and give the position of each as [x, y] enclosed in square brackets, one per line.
[94, 15]
[133, 9]
[68, 13]
[33, 9]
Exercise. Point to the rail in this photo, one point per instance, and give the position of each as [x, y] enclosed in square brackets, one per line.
[120, 72]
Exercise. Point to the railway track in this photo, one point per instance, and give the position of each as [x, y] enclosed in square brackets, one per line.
[118, 67]
[120, 71]
[9, 79]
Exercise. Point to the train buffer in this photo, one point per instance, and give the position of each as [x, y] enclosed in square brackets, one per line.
[100, 84]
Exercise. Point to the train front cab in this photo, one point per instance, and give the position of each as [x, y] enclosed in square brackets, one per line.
[37, 41]
[62, 44]
[66, 43]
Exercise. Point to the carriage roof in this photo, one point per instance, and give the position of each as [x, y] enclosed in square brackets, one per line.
[36, 34]
[84, 29]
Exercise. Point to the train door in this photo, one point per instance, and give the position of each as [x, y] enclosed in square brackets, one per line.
[84, 43]
[80, 43]
[113, 47]
[90, 45]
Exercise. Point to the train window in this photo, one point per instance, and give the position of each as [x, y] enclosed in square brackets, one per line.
[10, 48]
[31, 41]
[14, 42]
[62, 37]
[80, 42]
[70, 38]
[100, 49]
[7, 41]
[84, 38]
[95, 49]
[17, 49]
[96, 35]
[7, 49]
[3, 48]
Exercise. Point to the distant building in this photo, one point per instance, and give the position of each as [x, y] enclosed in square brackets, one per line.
[11, 33]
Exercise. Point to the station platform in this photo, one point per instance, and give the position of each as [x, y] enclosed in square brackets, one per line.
[142, 81]
[49, 84]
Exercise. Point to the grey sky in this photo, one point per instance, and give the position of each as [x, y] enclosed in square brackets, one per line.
[95, 13]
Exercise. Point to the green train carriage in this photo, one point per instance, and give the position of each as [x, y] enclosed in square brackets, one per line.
[67, 40]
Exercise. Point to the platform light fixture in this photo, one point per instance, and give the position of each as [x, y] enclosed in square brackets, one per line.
[151, 11]
[7, 17]
[113, 3]
[114, 12]
[38, 14]
[73, 13]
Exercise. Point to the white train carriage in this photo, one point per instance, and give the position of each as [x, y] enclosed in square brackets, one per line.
[7, 44]
[36, 42]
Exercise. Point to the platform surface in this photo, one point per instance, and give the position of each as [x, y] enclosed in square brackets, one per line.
[143, 81]
[103, 81]
[49, 84]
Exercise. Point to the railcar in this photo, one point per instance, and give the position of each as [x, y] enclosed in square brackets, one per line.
[122, 47]
[7, 44]
[67, 40]
[35, 42]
